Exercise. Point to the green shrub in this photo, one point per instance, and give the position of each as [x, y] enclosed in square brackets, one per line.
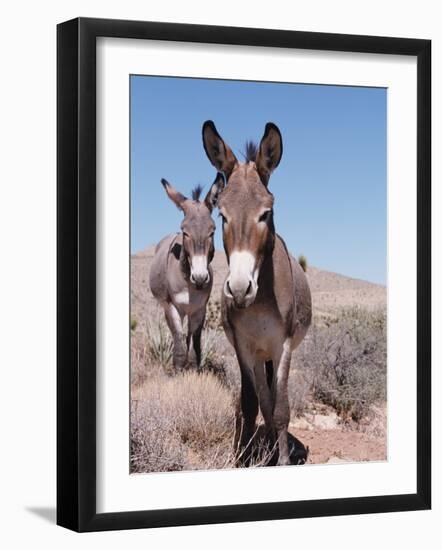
[302, 260]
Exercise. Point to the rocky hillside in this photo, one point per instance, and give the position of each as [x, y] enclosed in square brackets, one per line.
[330, 291]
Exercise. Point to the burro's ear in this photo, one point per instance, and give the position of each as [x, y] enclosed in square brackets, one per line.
[217, 186]
[175, 196]
[270, 152]
[219, 153]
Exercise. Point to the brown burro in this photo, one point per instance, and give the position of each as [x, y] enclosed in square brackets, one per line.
[266, 300]
[181, 277]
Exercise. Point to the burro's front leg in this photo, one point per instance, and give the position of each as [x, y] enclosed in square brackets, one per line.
[196, 323]
[246, 416]
[281, 414]
[175, 323]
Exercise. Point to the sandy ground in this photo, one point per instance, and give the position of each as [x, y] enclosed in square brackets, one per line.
[338, 446]
[330, 440]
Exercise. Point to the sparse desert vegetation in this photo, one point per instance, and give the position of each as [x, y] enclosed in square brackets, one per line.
[337, 386]
[303, 262]
[343, 363]
[176, 419]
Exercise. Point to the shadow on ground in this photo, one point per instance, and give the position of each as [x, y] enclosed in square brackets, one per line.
[46, 513]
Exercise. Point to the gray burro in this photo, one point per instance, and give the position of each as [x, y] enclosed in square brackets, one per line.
[266, 300]
[181, 277]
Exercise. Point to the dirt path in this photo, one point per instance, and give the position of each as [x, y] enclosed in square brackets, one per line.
[335, 446]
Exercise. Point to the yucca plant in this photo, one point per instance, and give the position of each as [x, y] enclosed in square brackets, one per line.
[159, 342]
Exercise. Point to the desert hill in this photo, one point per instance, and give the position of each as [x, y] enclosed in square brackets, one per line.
[330, 291]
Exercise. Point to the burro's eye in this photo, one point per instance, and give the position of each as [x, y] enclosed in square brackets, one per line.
[211, 234]
[265, 216]
[185, 234]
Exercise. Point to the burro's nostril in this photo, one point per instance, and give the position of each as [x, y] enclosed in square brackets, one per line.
[241, 285]
[239, 293]
[229, 289]
[200, 279]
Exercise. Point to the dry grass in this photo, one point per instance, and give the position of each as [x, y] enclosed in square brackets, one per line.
[154, 444]
[152, 350]
[192, 411]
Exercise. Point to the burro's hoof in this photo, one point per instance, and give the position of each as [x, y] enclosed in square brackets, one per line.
[298, 452]
[258, 452]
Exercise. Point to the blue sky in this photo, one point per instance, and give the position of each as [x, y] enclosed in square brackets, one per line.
[330, 187]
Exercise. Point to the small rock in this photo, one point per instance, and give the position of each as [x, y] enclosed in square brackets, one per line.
[301, 424]
[326, 421]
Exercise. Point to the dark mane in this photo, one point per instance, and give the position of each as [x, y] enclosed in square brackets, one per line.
[196, 192]
[251, 150]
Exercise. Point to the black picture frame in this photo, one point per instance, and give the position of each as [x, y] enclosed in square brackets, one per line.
[77, 287]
